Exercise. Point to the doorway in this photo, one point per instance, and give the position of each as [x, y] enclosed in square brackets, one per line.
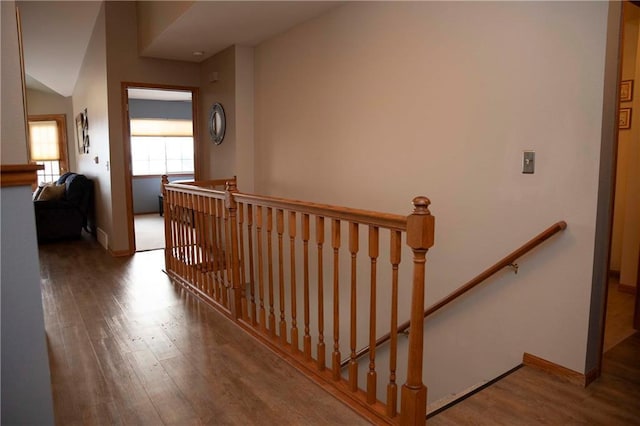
[160, 138]
[623, 296]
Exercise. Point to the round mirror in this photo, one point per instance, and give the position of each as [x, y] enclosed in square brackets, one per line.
[217, 123]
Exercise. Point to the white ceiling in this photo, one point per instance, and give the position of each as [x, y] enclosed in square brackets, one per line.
[211, 26]
[55, 36]
[56, 33]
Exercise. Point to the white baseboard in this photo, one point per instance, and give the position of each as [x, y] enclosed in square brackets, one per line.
[103, 238]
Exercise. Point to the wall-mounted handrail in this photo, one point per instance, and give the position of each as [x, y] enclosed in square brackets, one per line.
[506, 261]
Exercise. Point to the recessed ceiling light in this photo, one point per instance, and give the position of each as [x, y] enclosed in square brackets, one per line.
[198, 53]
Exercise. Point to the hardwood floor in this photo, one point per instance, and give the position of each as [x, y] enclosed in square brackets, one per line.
[128, 347]
[532, 397]
[619, 321]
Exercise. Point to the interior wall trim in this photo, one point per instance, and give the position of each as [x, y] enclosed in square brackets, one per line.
[19, 174]
[571, 376]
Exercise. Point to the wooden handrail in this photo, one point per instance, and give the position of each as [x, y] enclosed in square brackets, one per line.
[230, 248]
[506, 261]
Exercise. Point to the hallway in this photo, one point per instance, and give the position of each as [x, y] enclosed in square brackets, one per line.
[127, 347]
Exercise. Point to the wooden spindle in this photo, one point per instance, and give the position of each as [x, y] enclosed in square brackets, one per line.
[168, 238]
[272, 316]
[215, 250]
[254, 319]
[392, 387]
[335, 244]
[174, 230]
[320, 243]
[224, 250]
[243, 282]
[292, 264]
[208, 258]
[228, 255]
[372, 376]
[235, 303]
[181, 238]
[259, 242]
[305, 240]
[353, 249]
[200, 242]
[280, 232]
[420, 225]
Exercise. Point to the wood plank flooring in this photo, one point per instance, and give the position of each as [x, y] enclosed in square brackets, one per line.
[128, 347]
[533, 397]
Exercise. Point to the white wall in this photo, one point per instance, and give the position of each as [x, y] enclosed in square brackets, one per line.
[234, 89]
[374, 103]
[90, 93]
[124, 65]
[26, 381]
[13, 146]
[218, 161]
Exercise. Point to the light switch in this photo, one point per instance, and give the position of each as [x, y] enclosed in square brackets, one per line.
[528, 162]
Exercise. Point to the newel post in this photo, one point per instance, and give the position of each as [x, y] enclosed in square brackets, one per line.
[236, 287]
[420, 227]
[168, 243]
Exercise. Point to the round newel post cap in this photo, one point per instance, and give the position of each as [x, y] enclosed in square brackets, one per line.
[421, 205]
[231, 186]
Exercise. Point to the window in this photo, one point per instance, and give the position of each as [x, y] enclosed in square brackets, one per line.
[48, 145]
[161, 147]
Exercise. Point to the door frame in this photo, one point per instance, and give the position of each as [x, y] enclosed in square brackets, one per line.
[126, 141]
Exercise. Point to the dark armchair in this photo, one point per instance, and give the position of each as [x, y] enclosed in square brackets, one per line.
[66, 217]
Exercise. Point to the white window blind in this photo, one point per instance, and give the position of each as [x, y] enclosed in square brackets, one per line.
[159, 127]
[160, 146]
[44, 140]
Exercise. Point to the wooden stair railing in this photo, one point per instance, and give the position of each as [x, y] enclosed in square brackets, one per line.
[251, 258]
[506, 261]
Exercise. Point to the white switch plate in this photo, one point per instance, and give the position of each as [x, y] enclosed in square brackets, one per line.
[528, 162]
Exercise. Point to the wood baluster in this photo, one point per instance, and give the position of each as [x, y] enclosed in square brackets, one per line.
[206, 246]
[280, 231]
[181, 238]
[175, 232]
[243, 282]
[199, 242]
[392, 387]
[259, 242]
[190, 251]
[222, 293]
[215, 252]
[225, 253]
[420, 225]
[168, 241]
[320, 243]
[372, 376]
[335, 243]
[254, 319]
[238, 302]
[228, 257]
[292, 249]
[353, 249]
[272, 316]
[182, 256]
[306, 342]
